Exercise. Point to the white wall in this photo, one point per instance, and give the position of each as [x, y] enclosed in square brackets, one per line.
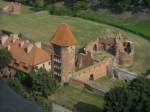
[46, 65]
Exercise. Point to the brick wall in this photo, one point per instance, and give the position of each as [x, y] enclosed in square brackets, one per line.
[68, 62]
[97, 70]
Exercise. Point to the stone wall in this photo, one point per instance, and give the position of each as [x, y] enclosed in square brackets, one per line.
[96, 71]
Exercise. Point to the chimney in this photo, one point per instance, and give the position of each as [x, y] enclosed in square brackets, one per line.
[38, 44]
[27, 41]
[14, 37]
[29, 48]
[4, 39]
[21, 43]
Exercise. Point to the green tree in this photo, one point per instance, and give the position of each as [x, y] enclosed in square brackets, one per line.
[135, 97]
[42, 82]
[5, 57]
[39, 4]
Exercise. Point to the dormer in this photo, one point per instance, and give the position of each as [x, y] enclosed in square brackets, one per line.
[3, 40]
[21, 44]
[14, 37]
[38, 44]
[27, 41]
[28, 48]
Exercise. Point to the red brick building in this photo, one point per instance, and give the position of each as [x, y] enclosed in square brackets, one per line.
[63, 62]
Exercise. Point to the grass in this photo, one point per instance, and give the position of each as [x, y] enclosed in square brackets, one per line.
[137, 23]
[106, 83]
[41, 26]
[77, 100]
[101, 55]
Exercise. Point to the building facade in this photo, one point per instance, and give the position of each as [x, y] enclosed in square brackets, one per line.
[63, 45]
[25, 54]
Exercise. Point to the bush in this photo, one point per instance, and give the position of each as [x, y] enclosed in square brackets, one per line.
[134, 97]
[45, 104]
[5, 57]
[42, 83]
[62, 10]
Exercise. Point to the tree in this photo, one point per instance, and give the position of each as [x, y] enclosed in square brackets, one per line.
[5, 57]
[135, 97]
[42, 82]
[39, 4]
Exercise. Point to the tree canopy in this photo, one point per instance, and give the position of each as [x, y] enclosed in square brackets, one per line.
[113, 5]
[42, 82]
[5, 57]
[135, 97]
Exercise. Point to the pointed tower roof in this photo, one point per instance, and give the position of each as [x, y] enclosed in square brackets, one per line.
[63, 36]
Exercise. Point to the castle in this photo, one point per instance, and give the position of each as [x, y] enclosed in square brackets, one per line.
[63, 60]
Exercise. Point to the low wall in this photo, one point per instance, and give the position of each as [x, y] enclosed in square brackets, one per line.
[97, 70]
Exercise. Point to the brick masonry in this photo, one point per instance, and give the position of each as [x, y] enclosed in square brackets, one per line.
[96, 71]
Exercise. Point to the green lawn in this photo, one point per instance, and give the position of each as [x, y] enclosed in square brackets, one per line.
[137, 22]
[77, 100]
[106, 83]
[41, 26]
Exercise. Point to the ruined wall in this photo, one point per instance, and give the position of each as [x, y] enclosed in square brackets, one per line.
[97, 70]
[125, 52]
[84, 60]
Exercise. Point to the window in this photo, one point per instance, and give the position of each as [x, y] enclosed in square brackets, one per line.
[49, 63]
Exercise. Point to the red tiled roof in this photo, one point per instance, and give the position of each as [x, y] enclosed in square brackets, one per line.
[35, 56]
[63, 36]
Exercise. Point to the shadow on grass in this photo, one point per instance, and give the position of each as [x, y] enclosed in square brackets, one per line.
[84, 107]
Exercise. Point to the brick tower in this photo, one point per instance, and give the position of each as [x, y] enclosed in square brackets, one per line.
[63, 59]
[124, 51]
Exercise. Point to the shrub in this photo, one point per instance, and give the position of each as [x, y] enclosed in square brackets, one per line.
[45, 104]
[42, 83]
[62, 10]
